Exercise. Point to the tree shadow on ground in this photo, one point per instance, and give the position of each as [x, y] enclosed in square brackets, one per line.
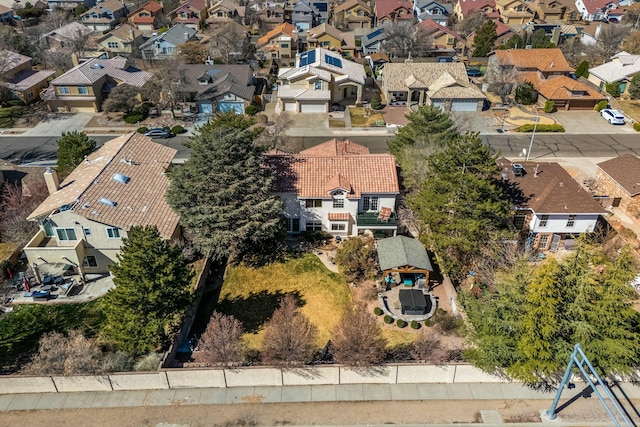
[255, 309]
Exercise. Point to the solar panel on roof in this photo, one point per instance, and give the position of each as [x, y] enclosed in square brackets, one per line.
[376, 33]
[322, 7]
[331, 60]
[307, 58]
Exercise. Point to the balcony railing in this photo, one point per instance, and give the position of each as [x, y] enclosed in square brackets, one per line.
[371, 219]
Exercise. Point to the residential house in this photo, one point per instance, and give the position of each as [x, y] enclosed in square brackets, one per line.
[281, 42]
[503, 32]
[147, 17]
[551, 208]
[392, 11]
[568, 93]
[124, 40]
[337, 187]
[23, 81]
[618, 180]
[595, 10]
[223, 11]
[445, 41]
[307, 14]
[70, 4]
[515, 11]
[432, 10]
[270, 17]
[191, 13]
[65, 36]
[84, 219]
[352, 14]
[463, 8]
[164, 45]
[557, 11]
[319, 79]
[372, 42]
[84, 87]
[590, 34]
[105, 15]
[6, 14]
[329, 37]
[217, 88]
[443, 84]
[621, 69]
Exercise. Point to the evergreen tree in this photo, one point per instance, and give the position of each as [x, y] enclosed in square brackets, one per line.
[526, 93]
[153, 291]
[461, 202]
[426, 124]
[72, 149]
[223, 192]
[514, 42]
[582, 70]
[485, 37]
[634, 87]
[376, 102]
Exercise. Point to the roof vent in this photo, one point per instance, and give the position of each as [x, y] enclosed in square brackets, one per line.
[518, 169]
[99, 66]
[108, 202]
[118, 177]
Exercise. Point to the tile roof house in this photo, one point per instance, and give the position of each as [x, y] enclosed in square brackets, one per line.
[23, 81]
[557, 11]
[64, 37]
[281, 42]
[146, 18]
[164, 45]
[388, 11]
[191, 13]
[595, 10]
[463, 8]
[621, 69]
[223, 11]
[445, 41]
[444, 84]
[329, 37]
[352, 14]
[432, 10]
[85, 218]
[337, 187]
[551, 208]
[125, 39]
[515, 11]
[105, 15]
[319, 79]
[619, 180]
[84, 87]
[270, 17]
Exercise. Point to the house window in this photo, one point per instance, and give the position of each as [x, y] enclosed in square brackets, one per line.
[518, 221]
[294, 225]
[544, 219]
[313, 203]
[113, 232]
[220, 14]
[90, 261]
[284, 45]
[338, 227]
[64, 90]
[326, 44]
[543, 242]
[86, 231]
[318, 85]
[112, 45]
[370, 204]
[338, 203]
[82, 90]
[314, 226]
[571, 222]
[66, 234]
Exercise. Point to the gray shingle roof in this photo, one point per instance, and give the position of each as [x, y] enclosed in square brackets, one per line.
[400, 251]
[94, 69]
[174, 35]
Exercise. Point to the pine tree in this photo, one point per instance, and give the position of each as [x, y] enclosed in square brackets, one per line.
[72, 149]
[376, 102]
[426, 124]
[153, 291]
[582, 70]
[223, 192]
[485, 37]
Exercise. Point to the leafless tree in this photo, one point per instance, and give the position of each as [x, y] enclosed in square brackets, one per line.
[274, 134]
[66, 355]
[221, 343]
[15, 206]
[428, 347]
[404, 39]
[168, 79]
[632, 42]
[192, 53]
[358, 340]
[289, 338]
[501, 78]
[610, 39]
[123, 98]
[574, 50]
[56, 19]
[470, 23]
[228, 42]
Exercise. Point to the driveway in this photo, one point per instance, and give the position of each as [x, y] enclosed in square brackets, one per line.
[56, 123]
[588, 122]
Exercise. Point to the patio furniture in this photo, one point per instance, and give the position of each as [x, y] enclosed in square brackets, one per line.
[384, 215]
[58, 280]
[46, 280]
[413, 302]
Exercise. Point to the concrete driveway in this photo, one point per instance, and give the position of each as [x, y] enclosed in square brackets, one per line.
[588, 122]
[56, 123]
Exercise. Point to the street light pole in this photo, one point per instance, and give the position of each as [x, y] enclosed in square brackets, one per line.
[533, 135]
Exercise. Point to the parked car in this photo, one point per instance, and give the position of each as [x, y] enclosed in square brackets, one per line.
[614, 117]
[474, 72]
[159, 133]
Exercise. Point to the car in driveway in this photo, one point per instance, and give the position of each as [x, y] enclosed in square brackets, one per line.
[158, 133]
[614, 117]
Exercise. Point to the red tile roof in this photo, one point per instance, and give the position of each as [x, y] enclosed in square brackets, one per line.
[467, 6]
[385, 7]
[313, 173]
[430, 26]
[595, 5]
[284, 28]
[562, 87]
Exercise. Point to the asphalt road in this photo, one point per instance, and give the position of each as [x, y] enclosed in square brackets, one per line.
[24, 150]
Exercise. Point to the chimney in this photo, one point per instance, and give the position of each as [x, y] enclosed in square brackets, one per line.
[74, 60]
[186, 35]
[52, 181]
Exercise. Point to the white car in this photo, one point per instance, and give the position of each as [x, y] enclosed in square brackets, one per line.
[614, 117]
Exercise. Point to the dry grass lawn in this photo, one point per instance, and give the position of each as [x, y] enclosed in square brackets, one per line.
[336, 123]
[252, 295]
[359, 120]
[630, 108]
[6, 250]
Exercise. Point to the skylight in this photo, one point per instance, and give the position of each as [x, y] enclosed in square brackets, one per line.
[108, 202]
[118, 177]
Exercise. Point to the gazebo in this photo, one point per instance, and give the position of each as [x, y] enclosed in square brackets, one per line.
[405, 256]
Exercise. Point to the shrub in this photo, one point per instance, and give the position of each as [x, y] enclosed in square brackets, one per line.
[582, 70]
[636, 126]
[601, 105]
[376, 102]
[251, 110]
[388, 319]
[541, 128]
[401, 323]
[358, 258]
[315, 236]
[148, 362]
[446, 323]
[613, 89]
[415, 324]
[177, 129]
[15, 103]
[142, 129]
[428, 323]
[377, 311]
[549, 106]
[134, 117]
[526, 93]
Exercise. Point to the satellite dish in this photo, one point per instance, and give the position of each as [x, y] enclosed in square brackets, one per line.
[524, 152]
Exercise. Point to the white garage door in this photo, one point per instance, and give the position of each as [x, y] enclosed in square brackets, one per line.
[290, 106]
[464, 106]
[313, 107]
[439, 104]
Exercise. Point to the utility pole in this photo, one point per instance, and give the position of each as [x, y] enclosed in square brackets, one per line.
[533, 135]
